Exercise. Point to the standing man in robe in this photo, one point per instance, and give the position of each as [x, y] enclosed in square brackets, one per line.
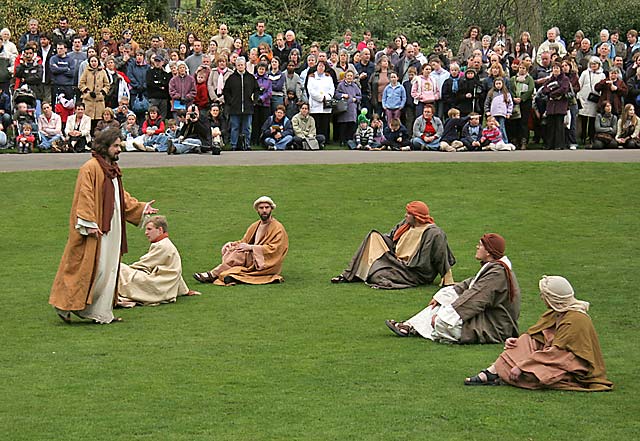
[413, 253]
[257, 258]
[157, 277]
[88, 273]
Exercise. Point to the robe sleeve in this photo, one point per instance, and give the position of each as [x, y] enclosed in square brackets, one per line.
[85, 189]
[151, 260]
[133, 209]
[269, 252]
[475, 300]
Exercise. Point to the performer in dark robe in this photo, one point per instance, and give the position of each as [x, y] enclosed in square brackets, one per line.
[480, 309]
[413, 253]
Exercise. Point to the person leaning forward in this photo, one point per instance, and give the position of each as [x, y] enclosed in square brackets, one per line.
[257, 258]
[413, 253]
[88, 273]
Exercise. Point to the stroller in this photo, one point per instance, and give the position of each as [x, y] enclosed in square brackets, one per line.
[25, 95]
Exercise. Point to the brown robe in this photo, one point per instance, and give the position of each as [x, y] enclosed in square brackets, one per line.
[264, 264]
[561, 351]
[488, 316]
[72, 287]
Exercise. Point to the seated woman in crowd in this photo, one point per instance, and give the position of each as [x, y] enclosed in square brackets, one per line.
[561, 351]
[606, 128]
[628, 128]
[481, 309]
[108, 121]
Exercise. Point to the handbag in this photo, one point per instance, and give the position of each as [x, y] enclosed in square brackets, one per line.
[593, 97]
[140, 104]
[337, 106]
[310, 144]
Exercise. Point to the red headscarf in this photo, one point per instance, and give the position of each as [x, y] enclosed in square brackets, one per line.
[495, 245]
[420, 211]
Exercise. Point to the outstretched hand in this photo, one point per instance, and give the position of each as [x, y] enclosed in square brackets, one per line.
[148, 209]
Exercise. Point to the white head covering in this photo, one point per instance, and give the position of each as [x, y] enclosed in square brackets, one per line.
[263, 199]
[558, 293]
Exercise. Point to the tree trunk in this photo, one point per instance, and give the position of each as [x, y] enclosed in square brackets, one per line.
[529, 18]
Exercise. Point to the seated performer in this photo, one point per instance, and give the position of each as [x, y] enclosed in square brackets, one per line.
[157, 277]
[481, 309]
[414, 253]
[255, 259]
[561, 351]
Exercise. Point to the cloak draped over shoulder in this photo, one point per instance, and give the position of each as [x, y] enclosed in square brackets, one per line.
[561, 351]
[72, 288]
[488, 313]
[432, 257]
[269, 252]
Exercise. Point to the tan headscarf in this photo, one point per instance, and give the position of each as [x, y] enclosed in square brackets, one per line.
[558, 293]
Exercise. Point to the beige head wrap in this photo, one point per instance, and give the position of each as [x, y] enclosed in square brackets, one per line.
[264, 199]
[558, 293]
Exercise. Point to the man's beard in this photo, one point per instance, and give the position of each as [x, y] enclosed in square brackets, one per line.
[265, 217]
[112, 158]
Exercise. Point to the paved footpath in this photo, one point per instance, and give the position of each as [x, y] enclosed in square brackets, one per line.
[50, 161]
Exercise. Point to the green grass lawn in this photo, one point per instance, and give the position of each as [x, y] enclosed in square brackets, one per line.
[307, 359]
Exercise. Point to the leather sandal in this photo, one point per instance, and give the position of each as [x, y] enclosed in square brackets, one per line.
[490, 379]
[400, 329]
[205, 277]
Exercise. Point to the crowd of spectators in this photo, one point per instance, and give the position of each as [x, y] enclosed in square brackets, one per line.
[496, 92]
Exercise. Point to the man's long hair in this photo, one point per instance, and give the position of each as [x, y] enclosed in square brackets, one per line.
[104, 139]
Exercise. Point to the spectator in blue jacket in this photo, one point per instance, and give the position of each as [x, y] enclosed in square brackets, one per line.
[62, 70]
[394, 97]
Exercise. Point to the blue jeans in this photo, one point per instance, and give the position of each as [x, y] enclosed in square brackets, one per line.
[503, 129]
[280, 144]
[46, 141]
[187, 145]
[238, 121]
[418, 143]
[160, 142]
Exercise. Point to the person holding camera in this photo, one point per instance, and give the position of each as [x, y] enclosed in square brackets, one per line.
[194, 136]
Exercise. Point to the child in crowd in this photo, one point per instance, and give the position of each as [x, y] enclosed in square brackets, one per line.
[396, 136]
[499, 104]
[377, 126]
[172, 129]
[23, 115]
[130, 131]
[153, 137]
[394, 98]
[292, 104]
[363, 137]
[202, 93]
[452, 132]
[26, 140]
[492, 137]
[472, 134]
